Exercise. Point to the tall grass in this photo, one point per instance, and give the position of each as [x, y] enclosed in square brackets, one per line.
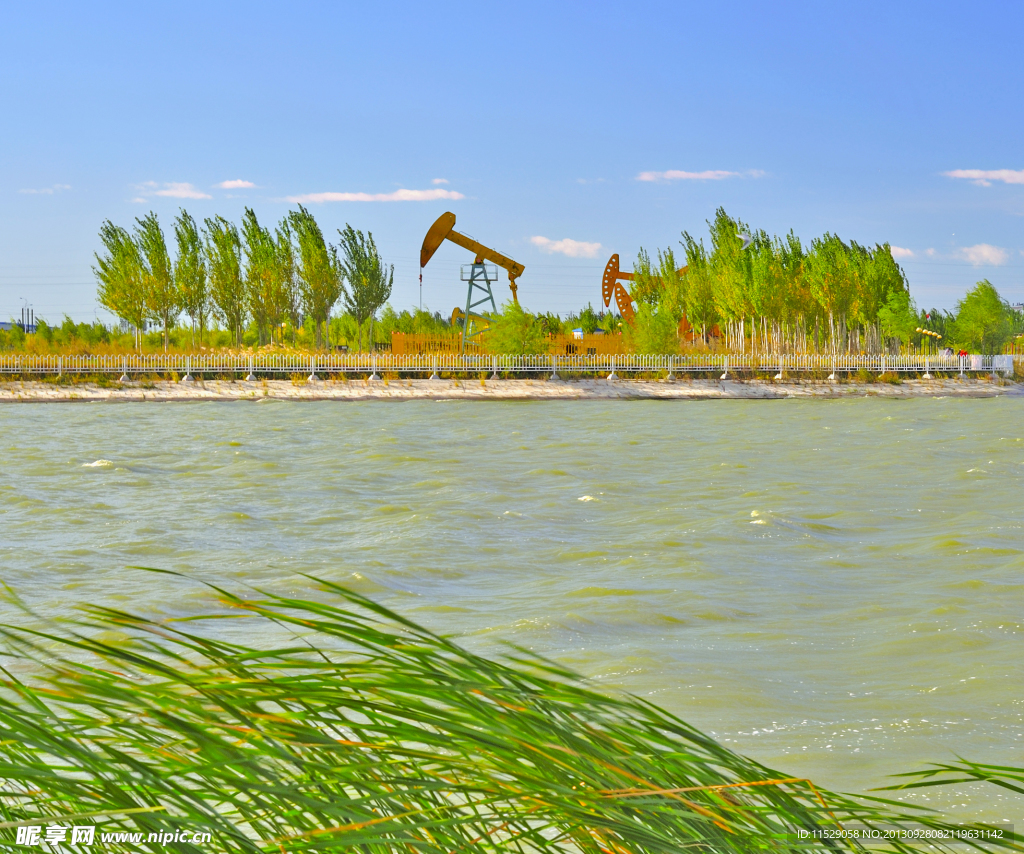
[345, 727]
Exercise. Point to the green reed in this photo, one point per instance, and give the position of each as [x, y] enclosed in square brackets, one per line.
[345, 727]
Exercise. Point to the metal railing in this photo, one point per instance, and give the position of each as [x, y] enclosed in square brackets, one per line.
[316, 366]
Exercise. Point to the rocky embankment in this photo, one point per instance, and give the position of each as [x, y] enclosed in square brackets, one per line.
[539, 389]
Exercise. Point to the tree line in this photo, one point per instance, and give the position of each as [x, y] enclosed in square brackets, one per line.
[776, 293]
[240, 275]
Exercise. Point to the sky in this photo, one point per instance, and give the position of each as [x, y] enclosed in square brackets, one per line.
[558, 133]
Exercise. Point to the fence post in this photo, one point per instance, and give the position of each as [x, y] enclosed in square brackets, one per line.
[60, 367]
[725, 369]
[554, 368]
[251, 376]
[671, 364]
[124, 371]
[832, 376]
[778, 376]
[188, 371]
[927, 375]
[494, 366]
[613, 375]
[312, 378]
[433, 370]
[374, 376]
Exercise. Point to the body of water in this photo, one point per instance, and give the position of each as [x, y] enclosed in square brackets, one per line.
[833, 587]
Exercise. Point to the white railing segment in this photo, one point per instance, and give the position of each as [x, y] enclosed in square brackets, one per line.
[252, 366]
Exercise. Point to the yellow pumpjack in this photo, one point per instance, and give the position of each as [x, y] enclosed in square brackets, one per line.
[444, 229]
[610, 287]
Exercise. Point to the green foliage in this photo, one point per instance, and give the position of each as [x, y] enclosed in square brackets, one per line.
[190, 272]
[983, 320]
[646, 288]
[516, 332]
[319, 272]
[162, 298]
[654, 330]
[898, 316]
[224, 257]
[119, 274]
[777, 282]
[267, 275]
[369, 279]
[588, 320]
[350, 728]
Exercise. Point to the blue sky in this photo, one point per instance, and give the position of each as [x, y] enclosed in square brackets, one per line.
[557, 132]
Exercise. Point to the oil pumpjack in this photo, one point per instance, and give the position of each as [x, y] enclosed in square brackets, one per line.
[610, 287]
[478, 276]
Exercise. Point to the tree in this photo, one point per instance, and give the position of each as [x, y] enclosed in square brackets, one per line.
[261, 275]
[119, 275]
[190, 272]
[320, 277]
[653, 330]
[162, 298]
[983, 319]
[224, 256]
[898, 316]
[369, 279]
[289, 306]
[515, 332]
[646, 286]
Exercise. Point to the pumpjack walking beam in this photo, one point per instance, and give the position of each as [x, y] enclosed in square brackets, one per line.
[478, 278]
[444, 229]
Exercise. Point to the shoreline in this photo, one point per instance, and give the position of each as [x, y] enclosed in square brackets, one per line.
[535, 389]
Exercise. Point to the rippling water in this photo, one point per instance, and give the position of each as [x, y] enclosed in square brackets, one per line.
[833, 587]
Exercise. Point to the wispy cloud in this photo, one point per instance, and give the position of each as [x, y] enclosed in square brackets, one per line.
[235, 184]
[47, 191]
[440, 181]
[706, 175]
[985, 177]
[172, 190]
[396, 196]
[566, 246]
[900, 252]
[984, 254]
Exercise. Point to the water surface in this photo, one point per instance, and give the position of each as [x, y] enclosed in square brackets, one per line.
[833, 587]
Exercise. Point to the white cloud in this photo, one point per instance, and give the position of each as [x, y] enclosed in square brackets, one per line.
[47, 191]
[706, 175]
[181, 191]
[440, 181]
[930, 253]
[566, 246]
[985, 177]
[984, 254]
[235, 184]
[172, 190]
[900, 252]
[396, 196]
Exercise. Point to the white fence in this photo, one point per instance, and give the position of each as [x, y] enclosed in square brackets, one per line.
[282, 365]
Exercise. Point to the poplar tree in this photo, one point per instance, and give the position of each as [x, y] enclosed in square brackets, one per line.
[162, 298]
[369, 279]
[224, 256]
[288, 294]
[119, 276]
[260, 274]
[190, 272]
[320, 277]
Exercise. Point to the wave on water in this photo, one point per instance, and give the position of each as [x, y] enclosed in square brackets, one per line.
[98, 464]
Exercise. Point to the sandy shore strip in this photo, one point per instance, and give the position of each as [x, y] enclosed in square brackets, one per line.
[538, 389]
